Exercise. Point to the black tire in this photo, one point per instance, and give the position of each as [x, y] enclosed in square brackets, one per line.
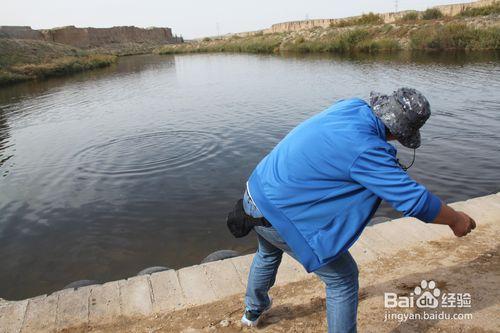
[81, 283]
[220, 255]
[151, 270]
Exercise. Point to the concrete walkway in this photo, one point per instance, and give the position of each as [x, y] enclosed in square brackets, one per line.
[169, 291]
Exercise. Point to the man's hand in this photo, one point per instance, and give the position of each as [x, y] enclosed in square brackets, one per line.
[459, 222]
[462, 225]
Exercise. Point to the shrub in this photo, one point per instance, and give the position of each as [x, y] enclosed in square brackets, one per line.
[9, 77]
[299, 40]
[386, 28]
[365, 19]
[207, 39]
[369, 18]
[456, 37]
[409, 17]
[481, 11]
[249, 44]
[57, 67]
[432, 14]
[347, 41]
[373, 46]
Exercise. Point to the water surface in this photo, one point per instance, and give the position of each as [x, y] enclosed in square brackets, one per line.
[105, 173]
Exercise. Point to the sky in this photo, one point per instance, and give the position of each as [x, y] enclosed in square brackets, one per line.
[191, 18]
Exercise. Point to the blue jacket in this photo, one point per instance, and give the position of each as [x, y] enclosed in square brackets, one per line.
[321, 185]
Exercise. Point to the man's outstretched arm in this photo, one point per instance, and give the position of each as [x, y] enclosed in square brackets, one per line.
[377, 170]
[459, 222]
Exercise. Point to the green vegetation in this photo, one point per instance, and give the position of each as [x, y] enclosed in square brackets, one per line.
[22, 60]
[450, 35]
[356, 40]
[367, 34]
[432, 14]
[481, 11]
[384, 44]
[23, 51]
[409, 17]
[56, 67]
[365, 19]
[455, 37]
[252, 44]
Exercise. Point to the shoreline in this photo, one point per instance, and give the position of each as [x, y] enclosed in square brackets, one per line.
[58, 67]
[386, 253]
[459, 27]
[436, 35]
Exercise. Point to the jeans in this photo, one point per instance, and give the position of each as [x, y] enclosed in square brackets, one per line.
[340, 277]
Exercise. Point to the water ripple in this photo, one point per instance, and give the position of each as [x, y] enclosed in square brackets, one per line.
[147, 153]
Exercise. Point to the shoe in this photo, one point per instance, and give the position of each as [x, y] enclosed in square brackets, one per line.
[251, 318]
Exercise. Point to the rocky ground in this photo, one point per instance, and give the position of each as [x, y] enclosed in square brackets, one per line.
[466, 265]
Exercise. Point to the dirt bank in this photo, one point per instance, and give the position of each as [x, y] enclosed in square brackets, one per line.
[468, 265]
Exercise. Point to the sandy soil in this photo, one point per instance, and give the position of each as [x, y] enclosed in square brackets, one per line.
[470, 264]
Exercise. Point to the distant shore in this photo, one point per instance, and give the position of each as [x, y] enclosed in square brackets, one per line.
[24, 60]
[28, 54]
[470, 30]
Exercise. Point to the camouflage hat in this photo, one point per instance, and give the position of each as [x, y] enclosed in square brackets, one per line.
[403, 113]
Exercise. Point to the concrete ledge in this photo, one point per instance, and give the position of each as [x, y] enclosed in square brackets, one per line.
[41, 307]
[72, 308]
[104, 303]
[171, 290]
[135, 296]
[167, 292]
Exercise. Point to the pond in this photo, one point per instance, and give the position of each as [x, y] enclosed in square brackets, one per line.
[105, 173]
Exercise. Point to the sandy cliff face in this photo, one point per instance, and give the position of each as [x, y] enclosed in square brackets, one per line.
[92, 37]
[20, 32]
[448, 10]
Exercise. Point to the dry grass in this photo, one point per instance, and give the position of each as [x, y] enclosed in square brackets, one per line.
[450, 34]
[365, 19]
[409, 17]
[57, 67]
[481, 11]
[432, 14]
[25, 51]
[356, 40]
[252, 44]
[455, 37]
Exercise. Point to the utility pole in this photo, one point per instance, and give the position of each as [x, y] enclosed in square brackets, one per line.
[396, 5]
[217, 26]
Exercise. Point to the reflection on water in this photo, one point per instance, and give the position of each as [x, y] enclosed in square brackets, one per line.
[4, 141]
[108, 172]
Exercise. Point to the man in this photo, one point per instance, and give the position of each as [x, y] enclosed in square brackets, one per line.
[319, 187]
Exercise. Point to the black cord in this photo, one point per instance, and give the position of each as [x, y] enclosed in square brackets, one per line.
[404, 167]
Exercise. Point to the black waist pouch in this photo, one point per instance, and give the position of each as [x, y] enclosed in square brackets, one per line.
[238, 222]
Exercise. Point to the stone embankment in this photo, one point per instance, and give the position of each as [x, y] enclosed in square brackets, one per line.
[182, 297]
[92, 37]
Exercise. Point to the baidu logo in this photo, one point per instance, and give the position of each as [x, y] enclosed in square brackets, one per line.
[428, 295]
